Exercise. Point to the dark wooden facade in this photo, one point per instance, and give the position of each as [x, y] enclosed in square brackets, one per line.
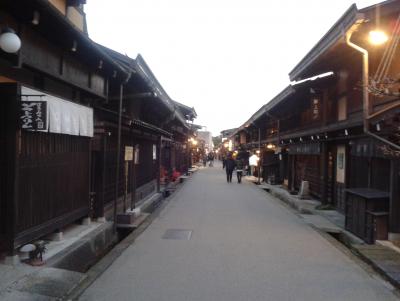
[317, 128]
[50, 179]
[45, 176]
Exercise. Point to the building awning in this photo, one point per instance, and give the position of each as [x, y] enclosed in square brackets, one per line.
[148, 126]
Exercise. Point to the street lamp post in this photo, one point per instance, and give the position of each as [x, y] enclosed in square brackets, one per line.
[376, 38]
[259, 156]
[365, 76]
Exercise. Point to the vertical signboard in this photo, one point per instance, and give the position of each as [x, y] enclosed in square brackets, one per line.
[33, 115]
[154, 152]
[128, 153]
[137, 154]
[341, 164]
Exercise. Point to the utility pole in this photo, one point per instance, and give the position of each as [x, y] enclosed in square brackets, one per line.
[259, 155]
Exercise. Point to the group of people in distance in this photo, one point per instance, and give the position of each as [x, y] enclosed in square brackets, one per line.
[230, 163]
[208, 158]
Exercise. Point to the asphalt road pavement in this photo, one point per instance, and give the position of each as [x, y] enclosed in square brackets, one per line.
[234, 242]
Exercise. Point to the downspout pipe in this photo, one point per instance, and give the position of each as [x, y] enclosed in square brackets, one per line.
[121, 97]
[366, 101]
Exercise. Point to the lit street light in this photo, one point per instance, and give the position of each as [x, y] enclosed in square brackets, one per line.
[376, 37]
[9, 41]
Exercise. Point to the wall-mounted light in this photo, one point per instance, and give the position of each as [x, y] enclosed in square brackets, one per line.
[326, 135]
[301, 139]
[378, 127]
[290, 141]
[36, 18]
[9, 41]
[346, 132]
[74, 46]
[318, 137]
[312, 138]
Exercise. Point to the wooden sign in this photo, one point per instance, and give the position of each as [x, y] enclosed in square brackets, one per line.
[305, 149]
[316, 107]
[128, 153]
[33, 115]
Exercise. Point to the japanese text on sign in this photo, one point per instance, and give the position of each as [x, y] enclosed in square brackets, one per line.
[33, 115]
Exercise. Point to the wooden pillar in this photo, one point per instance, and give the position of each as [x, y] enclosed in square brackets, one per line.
[134, 184]
[100, 179]
[100, 208]
[394, 205]
[159, 164]
[291, 172]
[13, 148]
[324, 172]
[282, 167]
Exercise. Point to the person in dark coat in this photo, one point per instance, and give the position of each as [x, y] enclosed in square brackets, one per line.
[239, 169]
[229, 167]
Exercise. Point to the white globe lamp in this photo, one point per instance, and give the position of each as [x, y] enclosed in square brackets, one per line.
[9, 41]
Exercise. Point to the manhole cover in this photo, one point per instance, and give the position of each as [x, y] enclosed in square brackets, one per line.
[180, 234]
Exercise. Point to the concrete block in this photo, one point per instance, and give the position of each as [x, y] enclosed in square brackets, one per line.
[125, 218]
[135, 211]
[12, 260]
[85, 252]
[394, 236]
[101, 219]
[304, 192]
[86, 221]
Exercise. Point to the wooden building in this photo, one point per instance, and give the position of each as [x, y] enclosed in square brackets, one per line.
[337, 127]
[153, 139]
[49, 88]
[83, 127]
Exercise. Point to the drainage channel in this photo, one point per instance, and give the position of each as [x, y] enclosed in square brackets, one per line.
[82, 256]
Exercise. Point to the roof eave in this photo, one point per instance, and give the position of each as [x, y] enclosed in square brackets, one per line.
[82, 36]
[335, 34]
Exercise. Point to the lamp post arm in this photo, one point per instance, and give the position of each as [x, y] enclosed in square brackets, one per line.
[365, 79]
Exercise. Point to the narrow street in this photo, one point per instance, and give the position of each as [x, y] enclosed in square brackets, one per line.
[244, 245]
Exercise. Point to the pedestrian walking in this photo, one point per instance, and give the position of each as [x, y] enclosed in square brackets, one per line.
[205, 160]
[239, 169]
[253, 161]
[211, 159]
[223, 161]
[229, 167]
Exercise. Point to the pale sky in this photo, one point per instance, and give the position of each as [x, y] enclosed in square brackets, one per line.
[226, 58]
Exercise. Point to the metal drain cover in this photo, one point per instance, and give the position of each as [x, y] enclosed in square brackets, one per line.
[179, 234]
